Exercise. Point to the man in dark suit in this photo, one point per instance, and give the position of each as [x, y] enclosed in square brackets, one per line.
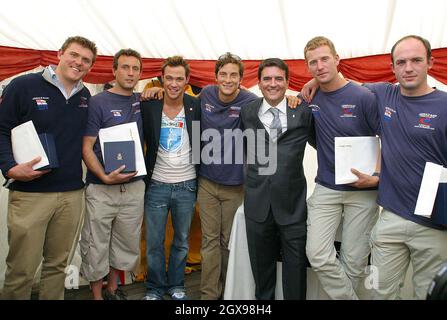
[275, 193]
[171, 179]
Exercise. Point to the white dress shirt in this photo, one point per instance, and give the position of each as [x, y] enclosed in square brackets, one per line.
[266, 116]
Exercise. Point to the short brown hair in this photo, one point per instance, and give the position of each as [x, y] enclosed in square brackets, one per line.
[175, 61]
[227, 58]
[84, 42]
[128, 53]
[273, 62]
[425, 42]
[317, 42]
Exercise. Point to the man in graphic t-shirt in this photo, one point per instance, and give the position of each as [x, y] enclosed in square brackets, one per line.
[171, 180]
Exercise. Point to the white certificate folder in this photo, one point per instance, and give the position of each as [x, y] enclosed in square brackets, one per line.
[360, 153]
[125, 132]
[432, 198]
[27, 146]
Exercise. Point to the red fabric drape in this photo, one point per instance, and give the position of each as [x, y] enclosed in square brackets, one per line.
[364, 69]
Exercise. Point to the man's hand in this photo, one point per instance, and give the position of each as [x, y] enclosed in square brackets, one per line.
[116, 177]
[25, 172]
[364, 181]
[309, 90]
[293, 101]
[154, 93]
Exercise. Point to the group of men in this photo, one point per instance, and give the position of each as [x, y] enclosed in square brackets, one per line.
[45, 206]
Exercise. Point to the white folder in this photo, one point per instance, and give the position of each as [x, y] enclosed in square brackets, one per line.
[125, 132]
[434, 174]
[360, 153]
[26, 145]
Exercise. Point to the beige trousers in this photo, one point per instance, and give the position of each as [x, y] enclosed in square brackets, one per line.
[218, 205]
[341, 277]
[40, 225]
[395, 243]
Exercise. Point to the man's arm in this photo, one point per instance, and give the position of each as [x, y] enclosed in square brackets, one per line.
[10, 118]
[93, 164]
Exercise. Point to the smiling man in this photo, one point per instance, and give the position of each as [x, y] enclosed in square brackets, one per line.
[45, 207]
[114, 202]
[171, 180]
[275, 204]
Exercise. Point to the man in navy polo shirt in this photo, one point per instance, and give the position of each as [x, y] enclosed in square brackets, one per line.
[341, 109]
[400, 236]
[114, 202]
[413, 132]
[45, 207]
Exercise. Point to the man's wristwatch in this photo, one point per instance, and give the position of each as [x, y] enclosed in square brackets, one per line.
[376, 174]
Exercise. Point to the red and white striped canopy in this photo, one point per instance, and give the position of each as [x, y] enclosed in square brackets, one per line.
[201, 30]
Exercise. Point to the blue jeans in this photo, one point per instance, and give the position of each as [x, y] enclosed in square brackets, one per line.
[161, 197]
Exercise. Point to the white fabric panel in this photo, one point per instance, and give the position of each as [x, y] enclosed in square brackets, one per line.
[204, 29]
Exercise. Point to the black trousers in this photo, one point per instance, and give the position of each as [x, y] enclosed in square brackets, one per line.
[267, 241]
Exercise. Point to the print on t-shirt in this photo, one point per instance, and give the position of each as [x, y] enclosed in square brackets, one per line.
[171, 134]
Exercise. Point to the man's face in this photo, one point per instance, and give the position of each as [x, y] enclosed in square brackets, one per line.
[273, 84]
[322, 64]
[174, 81]
[411, 66]
[128, 72]
[228, 79]
[74, 63]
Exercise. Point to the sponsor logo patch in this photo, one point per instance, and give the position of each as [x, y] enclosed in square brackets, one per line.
[83, 102]
[348, 111]
[425, 121]
[41, 103]
[388, 114]
[116, 113]
[234, 112]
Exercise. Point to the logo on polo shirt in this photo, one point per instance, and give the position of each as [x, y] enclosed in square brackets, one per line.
[41, 103]
[116, 113]
[208, 107]
[83, 102]
[348, 111]
[425, 121]
[315, 110]
[136, 105]
[388, 113]
[234, 112]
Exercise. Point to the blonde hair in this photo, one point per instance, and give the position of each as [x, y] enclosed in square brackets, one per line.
[317, 42]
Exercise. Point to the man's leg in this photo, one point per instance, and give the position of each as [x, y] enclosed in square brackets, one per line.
[231, 198]
[100, 212]
[28, 216]
[294, 261]
[390, 255]
[359, 217]
[210, 220]
[60, 235]
[428, 250]
[264, 248]
[126, 232]
[324, 216]
[182, 211]
[156, 207]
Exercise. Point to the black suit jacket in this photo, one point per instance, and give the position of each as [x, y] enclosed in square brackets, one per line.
[151, 112]
[285, 189]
